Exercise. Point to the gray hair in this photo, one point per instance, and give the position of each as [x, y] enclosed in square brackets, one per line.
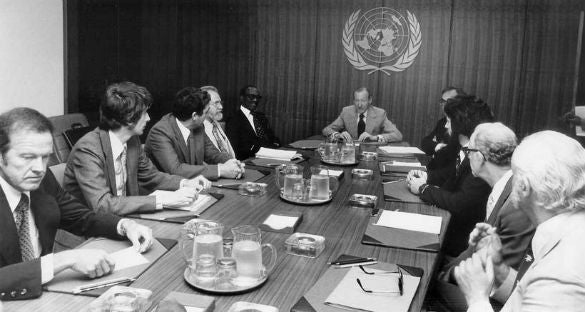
[554, 165]
[209, 88]
[496, 142]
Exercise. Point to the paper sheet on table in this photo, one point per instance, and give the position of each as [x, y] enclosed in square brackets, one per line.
[410, 221]
[401, 150]
[276, 154]
[580, 111]
[335, 173]
[127, 258]
[348, 294]
[201, 200]
[404, 163]
[279, 222]
[194, 309]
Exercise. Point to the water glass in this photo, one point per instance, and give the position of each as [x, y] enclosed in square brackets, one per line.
[205, 270]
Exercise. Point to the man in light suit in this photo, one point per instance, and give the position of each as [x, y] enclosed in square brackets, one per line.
[110, 171]
[212, 125]
[363, 122]
[490, 152]
[33, 206]
[177, 144]
[549, 184]
[249, 129]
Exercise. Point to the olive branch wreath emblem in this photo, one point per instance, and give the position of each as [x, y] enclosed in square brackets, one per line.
[405, 60]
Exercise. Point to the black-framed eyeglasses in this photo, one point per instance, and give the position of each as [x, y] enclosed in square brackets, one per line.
[466, 150]
[369, 291]
[252, 97]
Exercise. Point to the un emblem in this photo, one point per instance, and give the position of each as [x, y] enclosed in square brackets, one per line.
[381, 40]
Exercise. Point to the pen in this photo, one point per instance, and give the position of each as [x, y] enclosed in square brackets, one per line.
[102, 284]
[394, 181]
[229, 186]
[352, 261]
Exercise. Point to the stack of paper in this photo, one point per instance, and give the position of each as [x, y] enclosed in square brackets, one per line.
[277, 154]
[401, 150]
[410, 221]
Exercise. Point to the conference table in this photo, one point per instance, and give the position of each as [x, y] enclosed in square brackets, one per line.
[341, 225]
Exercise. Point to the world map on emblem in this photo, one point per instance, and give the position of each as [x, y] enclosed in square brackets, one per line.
[381, 35]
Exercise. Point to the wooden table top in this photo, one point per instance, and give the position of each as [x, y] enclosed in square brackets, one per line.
[341, 225]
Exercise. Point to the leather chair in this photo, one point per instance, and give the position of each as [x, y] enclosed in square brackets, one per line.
[61, 124]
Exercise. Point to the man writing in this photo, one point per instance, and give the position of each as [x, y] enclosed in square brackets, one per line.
[549, 189]
[109, 169]
[177, 144]
[363, 122]
[34, 206]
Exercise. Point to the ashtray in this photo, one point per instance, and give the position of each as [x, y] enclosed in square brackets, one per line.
[305, 245]
[252, 189]
[369, 156]
[362, 174]
[363, 201]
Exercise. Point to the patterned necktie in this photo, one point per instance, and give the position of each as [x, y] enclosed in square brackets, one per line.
[23, 228]
[221, 144]
[260, 132]
[120, 168]
[361, 125]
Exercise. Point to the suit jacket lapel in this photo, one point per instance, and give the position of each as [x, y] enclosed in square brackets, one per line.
[244, 120]
[352, 123]
[9, 248]
[133, 151]
[107, 150]
[46, 222]
[178, 136]
[371, 120]
[500, 203]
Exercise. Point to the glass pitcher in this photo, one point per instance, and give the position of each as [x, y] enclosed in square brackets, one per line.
[287, 176]
[347, 153]
[329, 151]
[247, 251]
[201, 238]
[323, 183]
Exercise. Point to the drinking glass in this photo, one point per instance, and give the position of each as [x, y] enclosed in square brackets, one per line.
[248, 254]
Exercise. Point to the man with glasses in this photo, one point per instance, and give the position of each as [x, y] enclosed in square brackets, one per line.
[363, 122]
[548, 185]
[212, 125]
[438, 144]
[249, 129]
[177, 144]
[490, 152]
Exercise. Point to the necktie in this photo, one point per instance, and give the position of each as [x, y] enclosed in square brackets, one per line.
[120, 168]
[361, 125]
[23, 228]
[525, 263]
[491, 202]
[260, 132]
[221, 144]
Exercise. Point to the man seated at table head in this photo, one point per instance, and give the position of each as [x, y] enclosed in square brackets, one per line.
[363, 122]
[490, 152]
[438, 144]
[177, 144]
[249, 129]
[212, 123]
[109, 169]
[549, 186]
[456, 189]
[33, 206]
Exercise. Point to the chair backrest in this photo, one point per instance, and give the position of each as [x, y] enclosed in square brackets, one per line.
[58, 171]
[60, 124]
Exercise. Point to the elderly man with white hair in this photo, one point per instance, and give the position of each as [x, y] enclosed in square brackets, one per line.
[549, 186]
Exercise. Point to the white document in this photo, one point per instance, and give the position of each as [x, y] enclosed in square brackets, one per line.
[127, 258]
[279, 222]
[334, 173]
[201, 200]
[580, 111]
[276, 154]
[401, 150]
[410, 221]
[348, 294]
[405, 164]
[194, 309]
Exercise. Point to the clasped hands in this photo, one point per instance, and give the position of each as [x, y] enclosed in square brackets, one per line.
[415, 179]
[346, 137]
[185, 195]
[232, 169]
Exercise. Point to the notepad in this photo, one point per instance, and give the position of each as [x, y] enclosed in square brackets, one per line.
[276, 154]
[279, 222]
[333, 173]
[401, 150]
[127, 258]
[410, 221]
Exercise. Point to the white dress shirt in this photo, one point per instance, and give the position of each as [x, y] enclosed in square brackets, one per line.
[249, 116]
[496, 193]
[185, 132]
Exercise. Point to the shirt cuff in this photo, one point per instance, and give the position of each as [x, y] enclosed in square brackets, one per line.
[480, 306]
[182, 183]
[218, 171]
[47, 273]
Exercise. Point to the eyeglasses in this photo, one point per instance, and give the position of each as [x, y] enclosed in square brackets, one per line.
[466, 150]
[252, 97]
[216, 103]
[369, 291]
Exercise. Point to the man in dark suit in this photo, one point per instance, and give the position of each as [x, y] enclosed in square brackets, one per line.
[363, 122]
[438, 144]
[490, 152]
[33, 206]
[248, 129]
[109, 169]
[456, 189]
[177, 144]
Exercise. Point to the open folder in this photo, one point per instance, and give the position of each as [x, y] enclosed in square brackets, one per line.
[398, 191]
[251, 175]
[184, 214]
[69, 281]
[387, 236]
[336, 285]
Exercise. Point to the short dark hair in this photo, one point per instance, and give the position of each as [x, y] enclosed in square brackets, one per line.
[123, 104]
[466, 112]
[21, 118]
[189, 100]
[458, 91]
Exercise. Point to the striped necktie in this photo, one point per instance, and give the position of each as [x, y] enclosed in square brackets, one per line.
[22, 220]
[221, 143]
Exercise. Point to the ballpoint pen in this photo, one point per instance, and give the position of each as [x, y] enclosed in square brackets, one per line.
[102, 284]
[353, 261]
